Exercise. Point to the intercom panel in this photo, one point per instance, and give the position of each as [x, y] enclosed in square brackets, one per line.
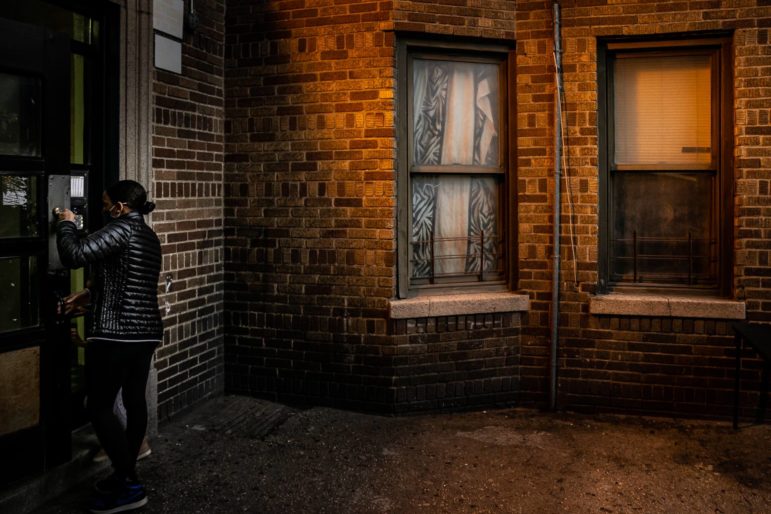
[58, 198]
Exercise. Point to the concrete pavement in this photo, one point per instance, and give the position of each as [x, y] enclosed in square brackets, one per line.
[238, 454]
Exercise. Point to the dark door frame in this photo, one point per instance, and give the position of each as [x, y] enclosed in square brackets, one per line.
[33, 50]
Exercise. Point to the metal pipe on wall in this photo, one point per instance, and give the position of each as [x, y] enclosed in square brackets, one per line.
[555, 310]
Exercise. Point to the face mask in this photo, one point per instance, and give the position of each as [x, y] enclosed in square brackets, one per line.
[112, 214]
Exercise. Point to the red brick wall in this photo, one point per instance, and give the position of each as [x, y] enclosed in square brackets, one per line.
[188, 149]
[310, 195]
[650, 365]
[454, 361]
[310, 218]
[670, 365]
[310, 188]
[493, 19]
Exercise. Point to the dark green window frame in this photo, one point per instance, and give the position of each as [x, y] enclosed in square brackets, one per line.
[688, 277]
[501, 274]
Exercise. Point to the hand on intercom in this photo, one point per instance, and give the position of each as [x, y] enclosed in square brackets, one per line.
[75, 304]
[64, 214]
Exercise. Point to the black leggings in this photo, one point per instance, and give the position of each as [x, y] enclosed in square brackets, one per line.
[111, 366]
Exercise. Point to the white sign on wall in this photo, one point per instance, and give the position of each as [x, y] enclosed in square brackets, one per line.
[168, 54]
[168, 19]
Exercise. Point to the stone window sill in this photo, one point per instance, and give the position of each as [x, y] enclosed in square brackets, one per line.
[458, 305]
[667, 306]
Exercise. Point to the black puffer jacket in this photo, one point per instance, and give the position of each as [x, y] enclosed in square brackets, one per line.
[125, 259]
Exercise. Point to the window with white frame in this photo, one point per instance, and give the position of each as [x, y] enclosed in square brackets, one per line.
[454, 166]
[665, 164]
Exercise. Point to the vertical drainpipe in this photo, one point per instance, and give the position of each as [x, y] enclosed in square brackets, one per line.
[555, 306]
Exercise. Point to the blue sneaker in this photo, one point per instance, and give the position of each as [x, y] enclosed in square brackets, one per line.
[129, 497]
[111, 484]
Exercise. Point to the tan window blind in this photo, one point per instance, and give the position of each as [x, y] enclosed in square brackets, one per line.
[662, 110]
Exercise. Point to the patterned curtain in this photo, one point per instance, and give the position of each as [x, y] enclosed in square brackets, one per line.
[423, 215]
[454, 217]
[430, 91]
[483, 226]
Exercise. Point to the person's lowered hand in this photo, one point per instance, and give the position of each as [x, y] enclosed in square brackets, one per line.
[76, 304]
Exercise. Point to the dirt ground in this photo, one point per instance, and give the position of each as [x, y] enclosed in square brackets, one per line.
[237, 454]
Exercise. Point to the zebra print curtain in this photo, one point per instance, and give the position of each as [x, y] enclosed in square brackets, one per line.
[454, 216]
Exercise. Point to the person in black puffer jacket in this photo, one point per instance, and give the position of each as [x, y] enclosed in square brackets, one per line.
[125, 261]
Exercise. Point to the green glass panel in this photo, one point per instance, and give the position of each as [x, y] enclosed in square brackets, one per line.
[18, 281]
[18, 206]
[77, 283]
[77, 336]
[80, 28]
[94, 32]
[84, 29]
[77, 109]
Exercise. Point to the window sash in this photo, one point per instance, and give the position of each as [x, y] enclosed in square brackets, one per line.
[663, 229]
[663, 113]
[458, 100]
[456, 229]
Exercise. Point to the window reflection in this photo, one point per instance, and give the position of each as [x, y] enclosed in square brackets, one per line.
[18, 206]
[662, 228]
[19, 308]
[19, 116]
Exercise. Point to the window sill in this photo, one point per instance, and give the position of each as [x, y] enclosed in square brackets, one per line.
[667, 306]
[458, 305]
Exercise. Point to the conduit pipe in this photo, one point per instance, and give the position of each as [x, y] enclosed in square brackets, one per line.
[555, 296]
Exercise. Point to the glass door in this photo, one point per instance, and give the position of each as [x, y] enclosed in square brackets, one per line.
[59, 101]
[34, 146]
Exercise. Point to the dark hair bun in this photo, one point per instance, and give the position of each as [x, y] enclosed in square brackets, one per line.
[147, 208]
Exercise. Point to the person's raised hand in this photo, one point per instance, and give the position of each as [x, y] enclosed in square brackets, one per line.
[65, 215]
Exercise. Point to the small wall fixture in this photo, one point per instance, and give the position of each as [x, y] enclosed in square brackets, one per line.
[191, 17]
